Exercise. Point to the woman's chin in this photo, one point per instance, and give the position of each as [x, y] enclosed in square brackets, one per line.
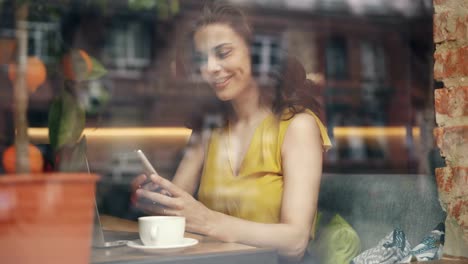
[224, 97]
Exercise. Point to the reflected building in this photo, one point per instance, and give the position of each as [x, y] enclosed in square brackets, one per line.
[370, 60]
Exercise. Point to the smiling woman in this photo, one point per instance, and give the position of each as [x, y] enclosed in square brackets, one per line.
[225, 60]
[257, 169]
[251, 162]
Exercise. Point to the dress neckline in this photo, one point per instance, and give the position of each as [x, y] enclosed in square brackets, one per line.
[247, 149]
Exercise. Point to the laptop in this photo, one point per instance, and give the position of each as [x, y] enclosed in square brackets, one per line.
[107, 239]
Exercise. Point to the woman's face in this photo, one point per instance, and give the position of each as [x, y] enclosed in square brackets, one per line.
[224, 60]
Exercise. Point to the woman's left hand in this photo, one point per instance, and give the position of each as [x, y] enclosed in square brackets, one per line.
[178, 203]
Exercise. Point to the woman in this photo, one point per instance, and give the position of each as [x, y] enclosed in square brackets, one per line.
[261, 167]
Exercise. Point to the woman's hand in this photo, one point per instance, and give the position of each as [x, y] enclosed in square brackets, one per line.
[172, 200]
[142, 182]
[137, 183]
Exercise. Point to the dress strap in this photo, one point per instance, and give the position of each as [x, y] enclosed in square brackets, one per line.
[326, 142]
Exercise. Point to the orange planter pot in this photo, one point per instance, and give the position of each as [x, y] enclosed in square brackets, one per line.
[46, 218]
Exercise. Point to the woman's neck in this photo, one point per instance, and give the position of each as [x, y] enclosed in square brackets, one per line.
[248, 108]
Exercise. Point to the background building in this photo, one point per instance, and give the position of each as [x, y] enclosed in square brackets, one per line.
[370, 60]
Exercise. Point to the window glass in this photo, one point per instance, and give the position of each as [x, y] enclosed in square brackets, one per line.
[337, 58]
[128, 49]
[127, 75]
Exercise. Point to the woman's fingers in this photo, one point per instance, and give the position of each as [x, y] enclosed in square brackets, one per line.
[167, 185]
[159, 198]
[152, 186]
[138, 181]
[152, 209]
[149, 209]
[165, 192]
[135, 185]
[142, 181]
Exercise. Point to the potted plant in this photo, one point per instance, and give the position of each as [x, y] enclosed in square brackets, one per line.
[48, 217]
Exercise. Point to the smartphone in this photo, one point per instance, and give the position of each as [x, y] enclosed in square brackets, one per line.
[146, 162]
[149, 168]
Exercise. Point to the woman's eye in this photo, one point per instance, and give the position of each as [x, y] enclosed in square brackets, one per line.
[223, 53]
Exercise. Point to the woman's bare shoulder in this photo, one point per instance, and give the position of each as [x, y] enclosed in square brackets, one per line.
[303, 122]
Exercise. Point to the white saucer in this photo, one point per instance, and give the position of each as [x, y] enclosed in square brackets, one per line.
[187, 242]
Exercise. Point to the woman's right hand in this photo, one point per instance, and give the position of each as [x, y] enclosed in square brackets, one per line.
[142, 182]
[139, 182]
[136, 184]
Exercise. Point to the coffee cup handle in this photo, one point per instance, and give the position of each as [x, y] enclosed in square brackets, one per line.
[154, 233]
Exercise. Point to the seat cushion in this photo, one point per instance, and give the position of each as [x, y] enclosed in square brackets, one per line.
[375, 204]
[337, 242]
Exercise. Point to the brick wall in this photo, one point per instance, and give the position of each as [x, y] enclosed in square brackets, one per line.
[451, 106]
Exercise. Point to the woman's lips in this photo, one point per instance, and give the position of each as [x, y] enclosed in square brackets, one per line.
[221, 83]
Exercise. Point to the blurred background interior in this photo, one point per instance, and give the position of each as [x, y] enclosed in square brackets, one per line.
[371, 60]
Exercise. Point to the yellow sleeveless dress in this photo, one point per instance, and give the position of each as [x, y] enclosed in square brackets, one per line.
[255, 193]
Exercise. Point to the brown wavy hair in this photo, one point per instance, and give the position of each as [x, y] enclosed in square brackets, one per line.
[288, 89]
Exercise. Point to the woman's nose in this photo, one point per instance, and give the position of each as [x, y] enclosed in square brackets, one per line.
[212, 65]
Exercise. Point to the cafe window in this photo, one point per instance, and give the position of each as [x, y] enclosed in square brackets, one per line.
[43, 39]
[372, 62]
[336, 55]
[368, 69]
[128, 49]
[266, 55]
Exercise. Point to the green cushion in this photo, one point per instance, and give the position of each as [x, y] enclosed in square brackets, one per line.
[337, 242]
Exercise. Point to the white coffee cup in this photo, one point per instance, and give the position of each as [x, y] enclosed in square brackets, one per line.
[161, 230]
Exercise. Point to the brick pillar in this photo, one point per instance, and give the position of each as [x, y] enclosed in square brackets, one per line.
[451, 106]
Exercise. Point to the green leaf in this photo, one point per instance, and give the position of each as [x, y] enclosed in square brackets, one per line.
[66, 120]
[72, 158]
[79, 68]
[163, 10]
[21, 2]
[98, 70]
[137, 5]
[166, 9]
[175, 7]
[55, 112]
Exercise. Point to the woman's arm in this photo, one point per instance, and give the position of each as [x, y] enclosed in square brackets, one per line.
[302, 166]
[302, 163]
[188, 172]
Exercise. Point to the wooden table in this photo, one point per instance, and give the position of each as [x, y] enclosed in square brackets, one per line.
[207, 251]
[444, 261]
